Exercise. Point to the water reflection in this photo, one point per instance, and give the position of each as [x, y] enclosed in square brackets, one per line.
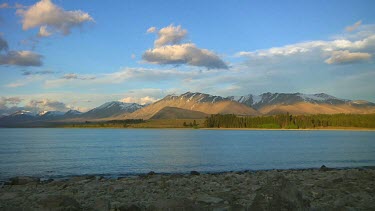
[54, 152]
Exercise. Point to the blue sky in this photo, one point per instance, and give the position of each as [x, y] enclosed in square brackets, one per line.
[79, 54]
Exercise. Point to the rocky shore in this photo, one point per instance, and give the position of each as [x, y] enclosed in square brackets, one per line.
[309, 189]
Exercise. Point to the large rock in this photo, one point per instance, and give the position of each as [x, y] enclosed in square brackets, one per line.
[23, 180]
[209, 199]
[278, 193]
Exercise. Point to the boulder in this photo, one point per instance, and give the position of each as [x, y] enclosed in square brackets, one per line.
[209, 199]
[325, 168]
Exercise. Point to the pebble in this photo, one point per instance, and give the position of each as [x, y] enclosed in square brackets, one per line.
[310, 189]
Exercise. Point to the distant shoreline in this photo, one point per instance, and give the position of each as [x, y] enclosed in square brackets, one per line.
[204, 128]
[306, 129]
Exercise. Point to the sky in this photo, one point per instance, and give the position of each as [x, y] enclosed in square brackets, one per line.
[79, 54]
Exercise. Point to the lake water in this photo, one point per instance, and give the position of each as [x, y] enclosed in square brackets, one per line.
[49, 152]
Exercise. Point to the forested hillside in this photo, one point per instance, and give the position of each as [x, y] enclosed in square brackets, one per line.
[288, 121]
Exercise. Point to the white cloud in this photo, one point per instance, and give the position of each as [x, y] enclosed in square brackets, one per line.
[305, 47]
[169, 49]
[74, 76]
[353, 27]
[43, 32]
[343, 57]
[169, 35]
[12, 101]
[325, 50]
[139, 100]
[45, 14]
[21, 58]
[184, 54]
[151, 29]
[9, 105]
[47, 105]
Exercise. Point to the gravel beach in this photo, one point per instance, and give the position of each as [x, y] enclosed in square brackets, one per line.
[308, 189]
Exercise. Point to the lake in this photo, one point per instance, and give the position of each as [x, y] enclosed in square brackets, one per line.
[47, 152]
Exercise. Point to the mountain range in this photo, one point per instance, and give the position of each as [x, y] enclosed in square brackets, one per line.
[199, 105]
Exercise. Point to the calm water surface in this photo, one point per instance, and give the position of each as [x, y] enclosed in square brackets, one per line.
[63, 152]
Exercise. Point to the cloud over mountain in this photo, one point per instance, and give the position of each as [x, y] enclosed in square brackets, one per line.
[169, 49]
[139, 100]
[51, 18]
[10, 105]
[48, 105]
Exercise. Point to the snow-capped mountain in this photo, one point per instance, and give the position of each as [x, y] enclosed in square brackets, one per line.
[24, 113]
[193, 103]
[19, 116]
[299, 103]
[111, 109]
[189, 101]
[196, 97]
[266, 99]
[51, 113]
[72, 113]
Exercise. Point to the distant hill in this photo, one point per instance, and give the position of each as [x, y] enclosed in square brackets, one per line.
[298, 103]
[72, 114]
[204, 103]
[196, 106]
[17, 117]
[178, 113]
[111, 109]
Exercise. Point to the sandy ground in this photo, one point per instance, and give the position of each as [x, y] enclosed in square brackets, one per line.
[309, 189]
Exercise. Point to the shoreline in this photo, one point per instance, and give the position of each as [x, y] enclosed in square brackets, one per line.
[7, 180]
[283, 189]
[305, 129]
[181, 128]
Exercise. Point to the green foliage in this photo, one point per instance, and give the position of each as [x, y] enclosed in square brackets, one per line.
[191, 124]
[126, 121]
[270, 126]
[111, 124]
[288, 121]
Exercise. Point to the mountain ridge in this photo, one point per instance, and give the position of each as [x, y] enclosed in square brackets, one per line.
[200, 104]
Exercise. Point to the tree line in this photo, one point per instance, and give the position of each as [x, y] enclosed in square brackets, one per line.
[289, 121]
